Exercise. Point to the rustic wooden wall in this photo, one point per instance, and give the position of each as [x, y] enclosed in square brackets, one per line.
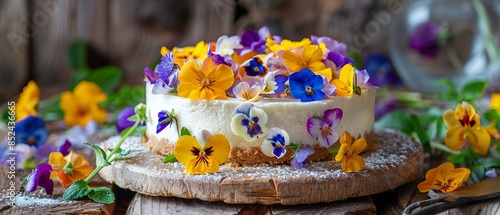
[129, 33]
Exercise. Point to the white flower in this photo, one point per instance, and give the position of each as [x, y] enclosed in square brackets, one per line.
[275, 143]
[226, 45]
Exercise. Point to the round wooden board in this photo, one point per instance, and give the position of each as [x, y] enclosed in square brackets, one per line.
[397, 160]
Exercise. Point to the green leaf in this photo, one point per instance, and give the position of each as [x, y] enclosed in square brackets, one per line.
[78, 76]
[458, 158]
[493, 115]
[398, 120]
[473, 90]
[294, 147]
[100, 155]
[422, 135]
[108, 78]
[5, 116]
[169, 158]
[450, 94]
[185, 131]
[334, 149]
[77, 190]
[78, 55]
[122, 153]
[102, 195]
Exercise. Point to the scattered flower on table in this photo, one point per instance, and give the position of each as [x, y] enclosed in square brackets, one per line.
[349, 152]
[28, 99]
[123, 121]
[40, 177]
[445, 177]
[306, 86]
[32, 131]
[69, 168]
[203, 153]
[424, 39]
[82, 105]
[249, 122]
[299, 159]
[274, 144]
[464, 127]
[324, 127]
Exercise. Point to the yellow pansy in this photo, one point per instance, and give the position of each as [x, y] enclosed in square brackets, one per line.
[349, 153]
[310, 57]
[495, 102]
[69, 168]
[286, 44]
[445, 178]
[28, 99]
[345, 83]
[210, 81]
[182, 55]
[202, 158]
[82, 105]
[464, 127]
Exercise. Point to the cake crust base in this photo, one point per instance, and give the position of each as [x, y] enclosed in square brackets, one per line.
[397, 160]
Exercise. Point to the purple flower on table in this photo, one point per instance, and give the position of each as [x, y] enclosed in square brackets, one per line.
[338, 59]
[65, 148]
[249, 122]
[275, 143]
[123, 121]
[31, 130]
[165, 118]
[424, 39]
[40, 177]
[300, 157]
[330, 44]
[324, 128]
[306, 86]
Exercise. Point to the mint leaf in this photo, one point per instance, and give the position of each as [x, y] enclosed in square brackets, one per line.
[185, 131]
[102, 195]
[108, 78]
[170, 158]
[100, 155]
[77, 190]
[473, 90]
[122, 153]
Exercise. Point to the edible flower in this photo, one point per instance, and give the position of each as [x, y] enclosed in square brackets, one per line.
[69, 168]
[82, 105]
[28, 99]
[349, 153]
[424, 39]
[226, 45]
[445, 178]
[253, 67]
[345, 83]
[286, 44]
[243, 91]
[329, 44]
[306, 86]
[249, 122]
[254, 41]
[165, 118]
[122, 123]
[311, 57]
[274, 83]
[338, 59]
[203, 153]
[183, 55]
[274, 144]
[324, 128]
[40, 177]
[299, 159]
[464, 127]
[210, 81]
[164, 79]
[31, 130]
[495, 102]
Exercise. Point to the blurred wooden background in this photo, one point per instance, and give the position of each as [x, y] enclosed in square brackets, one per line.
[129, 33]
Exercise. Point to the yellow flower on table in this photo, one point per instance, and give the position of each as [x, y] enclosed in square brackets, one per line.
[464, 127]
[69, 168]
[210, 81]
[349, 153]
[28, 99]
[345, 83]
[202, 157]
[82, 105]
[445, 178]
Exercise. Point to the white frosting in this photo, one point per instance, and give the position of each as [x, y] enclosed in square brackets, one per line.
[290, 115]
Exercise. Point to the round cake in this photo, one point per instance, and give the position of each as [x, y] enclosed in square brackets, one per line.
[268, 96]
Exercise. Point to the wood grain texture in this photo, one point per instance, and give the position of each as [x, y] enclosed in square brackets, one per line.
[398, 160]
[143, 204]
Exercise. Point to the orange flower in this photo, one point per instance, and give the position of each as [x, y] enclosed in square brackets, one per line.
[28, 100]
[70, 168]
[210, 81]
[82, 105]
[444, 177]
[349, 153]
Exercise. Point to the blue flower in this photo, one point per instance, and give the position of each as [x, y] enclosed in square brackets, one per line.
[31, 130]
[41, 177]
[165, 119]
[249, 122]
[306, 86]
[275, 143]
[255, 67]
[299, 159]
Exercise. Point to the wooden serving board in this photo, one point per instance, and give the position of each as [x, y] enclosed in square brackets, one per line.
[397, 160]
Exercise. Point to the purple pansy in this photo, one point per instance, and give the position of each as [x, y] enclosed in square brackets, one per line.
[255, 41]
[339, 59]
[31, 130]
[324, 128]
[330, 44]
[274, 144]
[164, 79]
[249, 122]
[299, 159]
[218, 59]
[424, 39]
[255, 67]
[122, 123]
[306, 86]
[165, 119]
[40, 177]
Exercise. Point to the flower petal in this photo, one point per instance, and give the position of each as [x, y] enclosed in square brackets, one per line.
[480, 140]
[183, 147]
[315, 127]
[455, 138]
[333, 117]
[220, 147]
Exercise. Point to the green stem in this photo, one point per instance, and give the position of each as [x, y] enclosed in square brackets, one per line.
[177, 126]
[485, 28]
[93, 173]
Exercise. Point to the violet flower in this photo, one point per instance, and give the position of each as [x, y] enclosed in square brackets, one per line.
[165, 118]
[122, 123]
[424, 39]
[255, 41]
[299, 159]
[306, 86]
[164, 78]
[41, 177]
[324, 128]
[31, 130]
[339, 59]
[330, 44]
[274, 144]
